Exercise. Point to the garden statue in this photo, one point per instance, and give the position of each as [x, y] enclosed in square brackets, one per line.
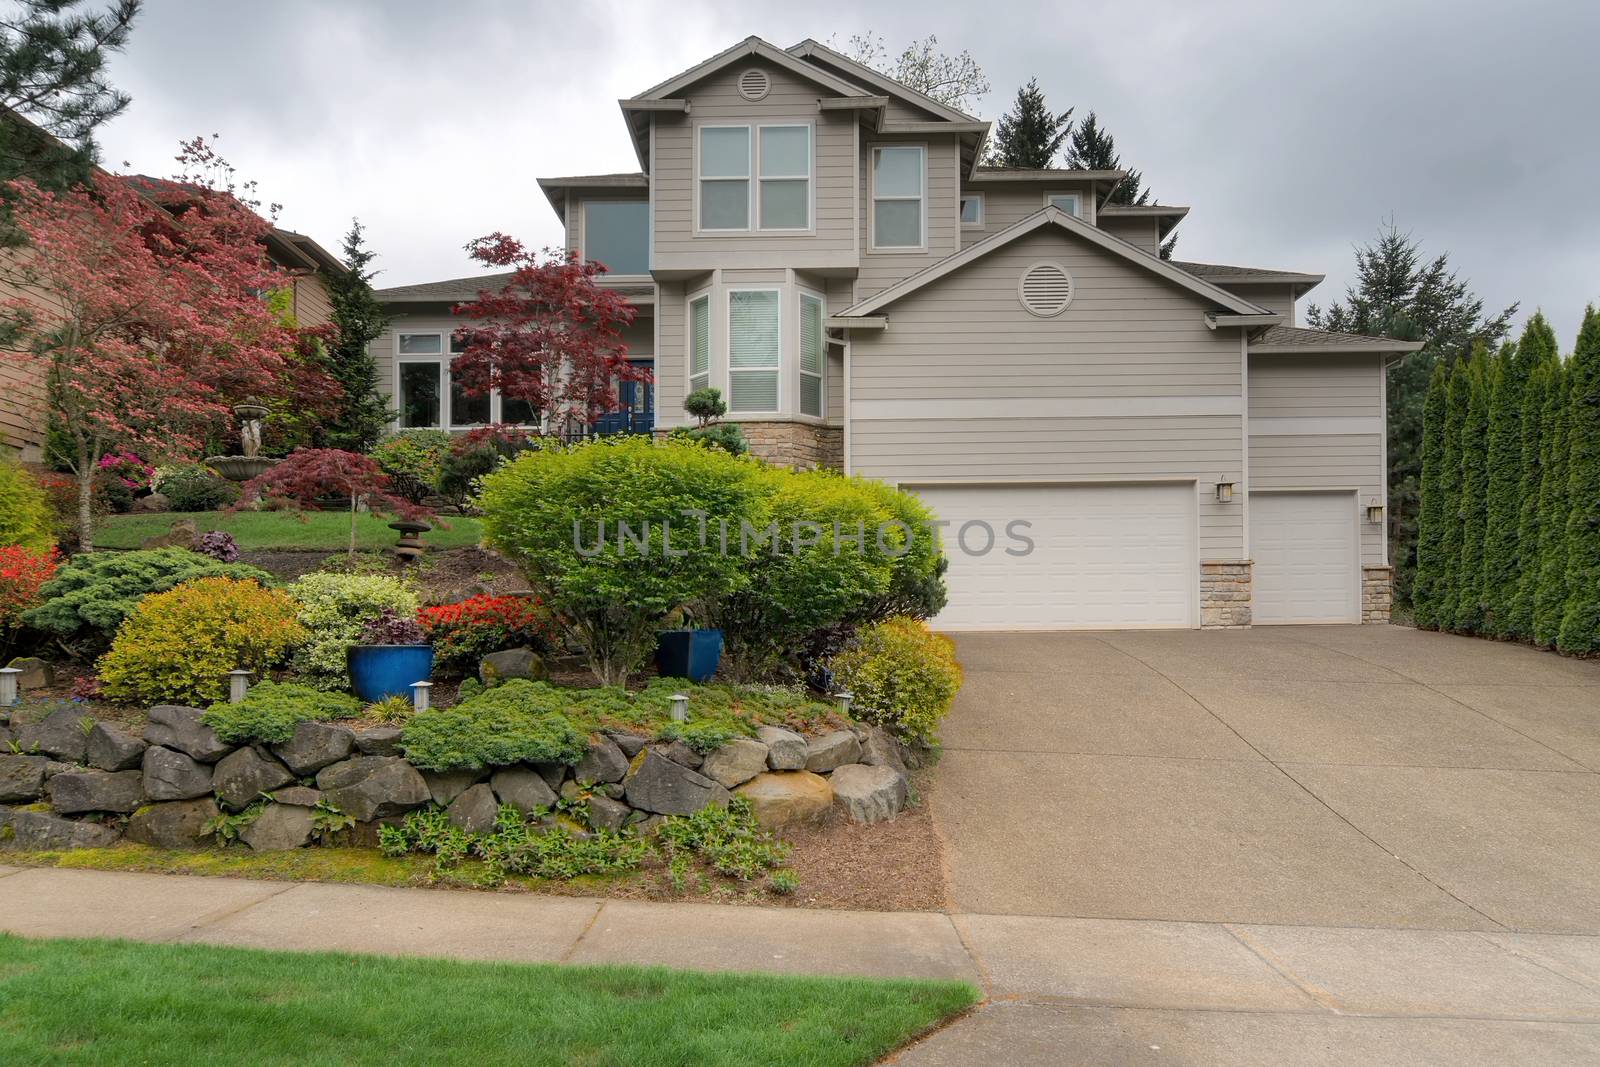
[251, 462]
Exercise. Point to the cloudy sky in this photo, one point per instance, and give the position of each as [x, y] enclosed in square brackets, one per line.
[1293, 131]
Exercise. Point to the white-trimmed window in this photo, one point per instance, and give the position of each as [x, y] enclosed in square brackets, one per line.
[972, 211]
[724, 176]
[784, 178]
[429, 395]
[617, 234]
[755, 349]
[1071, 203]
[467, 410]
[899, 187]
[813, 354]
[700, 342]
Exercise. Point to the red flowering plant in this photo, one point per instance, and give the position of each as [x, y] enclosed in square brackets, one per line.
[463, 633]
[22, 572]
[312, 475]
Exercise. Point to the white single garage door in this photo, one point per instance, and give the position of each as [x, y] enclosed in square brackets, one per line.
[1103, 556]
[1306, 557]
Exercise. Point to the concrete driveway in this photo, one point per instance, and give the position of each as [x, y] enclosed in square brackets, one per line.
[1171, 838]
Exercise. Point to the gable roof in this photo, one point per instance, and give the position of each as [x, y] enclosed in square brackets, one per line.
[555, 189]
[1293, 339]
[1052, 216]
[750, 46]
[462, 290]
[864, 74]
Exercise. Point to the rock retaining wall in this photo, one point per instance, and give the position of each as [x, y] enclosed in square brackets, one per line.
[77, 783]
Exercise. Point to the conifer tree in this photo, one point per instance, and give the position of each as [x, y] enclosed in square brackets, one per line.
[1580, 621]
[1432, 522]
[1455, 419]
[1550, 592]
[363, 411]
[1536, 350]
[1503, 476]
[1474, 494]
[1030, 135]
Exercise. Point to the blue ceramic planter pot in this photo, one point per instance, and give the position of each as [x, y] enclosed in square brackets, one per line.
[378, 671]
[691, 654]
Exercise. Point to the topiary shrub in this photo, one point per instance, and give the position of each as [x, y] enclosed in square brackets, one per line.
[413, 460]
[271, 710]
[178, 646]
[463, 633]
[903, 676]
[94, 592]
[334, 608]
[517, 722]
[26, 516]
[194, 487]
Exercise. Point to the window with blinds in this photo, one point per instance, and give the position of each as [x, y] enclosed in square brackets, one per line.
[754, 350]
[813, 355]
[699, 343]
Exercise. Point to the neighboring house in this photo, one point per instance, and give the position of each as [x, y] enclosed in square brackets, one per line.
[824, 246]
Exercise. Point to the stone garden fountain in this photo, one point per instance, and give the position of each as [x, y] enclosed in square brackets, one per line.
[252, 463]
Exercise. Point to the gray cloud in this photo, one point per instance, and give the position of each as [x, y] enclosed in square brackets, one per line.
[1292, 131]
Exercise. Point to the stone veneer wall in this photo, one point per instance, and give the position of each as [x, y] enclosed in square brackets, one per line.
[796, 444]
[1224, 594]
[1377, 594]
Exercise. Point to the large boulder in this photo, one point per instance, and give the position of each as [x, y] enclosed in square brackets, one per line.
[21, 778]
[679, 753]
[788, 798]
[607, 814]
[379, 741]
[630, 744]
[878, 749]
[111, 748]
[80, 791]
[868, 794]
[474, 810]
[278, 828]
[59, 734]
[175, 726]
[832, 749]
[170, 775]
[314, 746]
[241, 777]
[175, 824]
[604, 762]
[512, 663]
[371, 787]
[736, 762]
[523, 788]
[299, 795]
[786, 750]
[42, 831]
[656, 783]
[447, 785]
[36, 673]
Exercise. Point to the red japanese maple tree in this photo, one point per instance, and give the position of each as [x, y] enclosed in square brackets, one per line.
[311, 475]
[549, 336]
[139, 305]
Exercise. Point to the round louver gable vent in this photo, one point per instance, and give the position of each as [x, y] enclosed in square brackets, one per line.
[754, 84]
[1045, 289]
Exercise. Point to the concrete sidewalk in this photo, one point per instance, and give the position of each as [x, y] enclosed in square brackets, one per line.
[1061, 990]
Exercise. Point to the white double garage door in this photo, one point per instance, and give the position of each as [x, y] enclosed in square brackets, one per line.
[1125, 556]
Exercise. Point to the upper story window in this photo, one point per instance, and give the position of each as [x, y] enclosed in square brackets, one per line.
[755, 349]
[899, 188]
[617, 234]
[699, 343]
[1071, 203]
[761, 173]
[972, 210]
[813, 355]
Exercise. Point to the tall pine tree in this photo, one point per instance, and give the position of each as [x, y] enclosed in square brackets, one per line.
[1455, 421]
[1550, 594]
[1580, 622]
[1474, 494]
[1503, 478]
[1536, 350]
[1030, 135]
[1433, 520]
[1092, 147]
[364, 412]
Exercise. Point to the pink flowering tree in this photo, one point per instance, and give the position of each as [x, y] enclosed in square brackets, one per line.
[139, 305]
[549, 336]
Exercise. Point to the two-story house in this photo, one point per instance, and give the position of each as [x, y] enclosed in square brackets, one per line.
[825, 246]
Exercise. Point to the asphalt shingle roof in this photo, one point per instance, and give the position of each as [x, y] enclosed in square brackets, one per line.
[1299, 337]
[1225, 271]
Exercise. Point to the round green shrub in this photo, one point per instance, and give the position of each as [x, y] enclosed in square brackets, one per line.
[903, 676]
[413, 460]
[94, 592]
[26, 517]
[193, 487]
[334, 608]
[271, 710]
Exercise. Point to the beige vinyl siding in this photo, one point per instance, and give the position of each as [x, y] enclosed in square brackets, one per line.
[879, 270]
[1275, 297]
[1130, 342]
[841, 294]
[790, 100]
[1313, 389]
[672, 350]
[1007, 203]
[312, 305]
[1137, 230]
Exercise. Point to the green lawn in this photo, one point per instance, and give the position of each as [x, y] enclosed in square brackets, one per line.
[103, 1002]
[284, 530]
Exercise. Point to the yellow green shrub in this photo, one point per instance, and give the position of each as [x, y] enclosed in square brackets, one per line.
[904, 677]
[26, 518]
[179, 646]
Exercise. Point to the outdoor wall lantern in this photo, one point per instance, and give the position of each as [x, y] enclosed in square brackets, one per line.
[1224, 492]
[1374, 513]
[8, 685]
[680, 707]
[238, 685]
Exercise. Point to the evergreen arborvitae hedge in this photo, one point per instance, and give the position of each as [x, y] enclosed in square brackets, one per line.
[1503, 476]
[1580, 622]
[1474, 495]
[1431, 521]
[1550, 594]
[1536, 350]
[1455, 419]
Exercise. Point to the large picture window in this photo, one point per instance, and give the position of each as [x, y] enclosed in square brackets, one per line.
[431, 397]
[898, 188]
[617, 234]
[724, 177]
[813, 355]
[754, 350]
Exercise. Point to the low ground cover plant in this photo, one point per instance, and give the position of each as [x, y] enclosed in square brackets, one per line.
[334, 608]
[271, 710]
[465, 632]
[903, 677]
[179, 646]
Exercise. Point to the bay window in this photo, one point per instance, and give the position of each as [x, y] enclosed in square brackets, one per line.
[813, 355]
[699, 343]
[898, 195]
[755, 349]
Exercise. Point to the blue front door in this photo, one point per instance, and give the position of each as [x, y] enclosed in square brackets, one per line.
[636, 406]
